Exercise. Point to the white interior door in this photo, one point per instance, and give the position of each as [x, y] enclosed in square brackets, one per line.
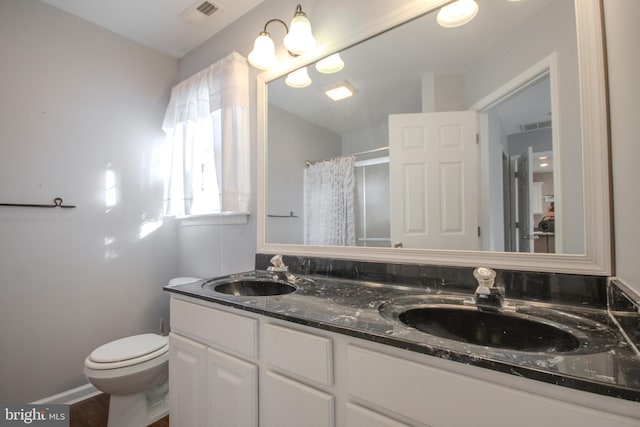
[434, 175]
[524, 183]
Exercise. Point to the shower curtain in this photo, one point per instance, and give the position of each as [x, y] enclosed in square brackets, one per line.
[329, 205]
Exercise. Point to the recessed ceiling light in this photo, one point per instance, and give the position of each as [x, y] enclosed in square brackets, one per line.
[543, 157]
[544, 165]
[457, 13]
[340, 91]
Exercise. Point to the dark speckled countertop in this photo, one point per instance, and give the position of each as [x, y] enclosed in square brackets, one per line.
[606, 362]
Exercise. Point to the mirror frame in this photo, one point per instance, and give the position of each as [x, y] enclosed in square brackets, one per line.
[597, 259]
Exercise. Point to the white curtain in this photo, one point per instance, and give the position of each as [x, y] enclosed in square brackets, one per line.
[329, 211]
[207, 128]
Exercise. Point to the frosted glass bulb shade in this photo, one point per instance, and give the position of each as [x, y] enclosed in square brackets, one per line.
[457, 13]
[298, 78]
[299, 39]
[331, 64]
[263, 55]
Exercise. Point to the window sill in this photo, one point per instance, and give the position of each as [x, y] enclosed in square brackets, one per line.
[231, 218]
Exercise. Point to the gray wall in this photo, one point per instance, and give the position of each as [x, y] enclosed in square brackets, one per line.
[77, 101]
[623, 55]
[551, 30]
[296, 141]
[204, 249]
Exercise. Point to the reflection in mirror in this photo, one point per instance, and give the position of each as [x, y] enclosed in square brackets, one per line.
[416, 176]
[543, 54]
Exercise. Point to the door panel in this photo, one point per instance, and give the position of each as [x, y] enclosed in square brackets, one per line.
[434, 177]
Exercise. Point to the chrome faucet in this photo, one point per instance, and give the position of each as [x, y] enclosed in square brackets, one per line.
[487, 295]
[281, 269]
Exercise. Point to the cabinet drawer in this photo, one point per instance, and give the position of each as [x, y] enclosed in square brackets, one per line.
[436, 397]
[309, 356]
[217, 328]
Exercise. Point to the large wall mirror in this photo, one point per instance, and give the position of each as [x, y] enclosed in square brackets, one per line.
[481, 144]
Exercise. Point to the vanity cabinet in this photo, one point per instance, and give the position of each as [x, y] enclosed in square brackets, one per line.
[304, 376]
[210, 387]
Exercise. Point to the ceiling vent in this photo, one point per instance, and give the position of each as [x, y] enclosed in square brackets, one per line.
[198, 12]
[207, 8]
[535, 126]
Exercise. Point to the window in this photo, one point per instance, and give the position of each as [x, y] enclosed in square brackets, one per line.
[207, 128]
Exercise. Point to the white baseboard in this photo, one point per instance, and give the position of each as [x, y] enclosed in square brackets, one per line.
[70, 397]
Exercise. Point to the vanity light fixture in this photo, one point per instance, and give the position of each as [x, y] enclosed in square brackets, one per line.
[457, 13]
[298, 40]
[331, 64]
[298, 78]
[340, 91]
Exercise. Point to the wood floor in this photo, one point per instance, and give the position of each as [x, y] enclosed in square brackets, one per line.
[94, 412]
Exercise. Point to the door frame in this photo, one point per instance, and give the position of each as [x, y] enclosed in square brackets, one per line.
[546, 66]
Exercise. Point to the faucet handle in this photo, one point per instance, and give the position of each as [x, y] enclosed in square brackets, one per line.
[485, 277]
[278, 264]
[487, 294]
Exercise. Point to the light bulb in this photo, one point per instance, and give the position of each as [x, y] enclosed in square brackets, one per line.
[331, 64]
[298, 78]
[457, 13]
[263, 55]
[299, 39]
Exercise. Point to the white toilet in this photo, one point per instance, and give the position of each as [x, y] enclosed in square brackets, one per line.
[135, 372]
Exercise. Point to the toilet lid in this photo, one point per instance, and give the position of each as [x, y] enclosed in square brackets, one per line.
[128, 348]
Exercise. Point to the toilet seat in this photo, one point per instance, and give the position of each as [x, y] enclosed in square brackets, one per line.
[128, 351]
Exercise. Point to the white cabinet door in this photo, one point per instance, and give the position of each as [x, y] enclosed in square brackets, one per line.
[232, 391]
[187, 382]
[288, 403]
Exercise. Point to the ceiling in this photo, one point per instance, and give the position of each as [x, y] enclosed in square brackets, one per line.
[389, 80]
[173, 27]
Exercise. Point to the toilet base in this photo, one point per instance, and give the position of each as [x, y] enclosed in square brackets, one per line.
[139, 409]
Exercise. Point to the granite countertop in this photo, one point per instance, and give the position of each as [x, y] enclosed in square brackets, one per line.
[605, 363]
